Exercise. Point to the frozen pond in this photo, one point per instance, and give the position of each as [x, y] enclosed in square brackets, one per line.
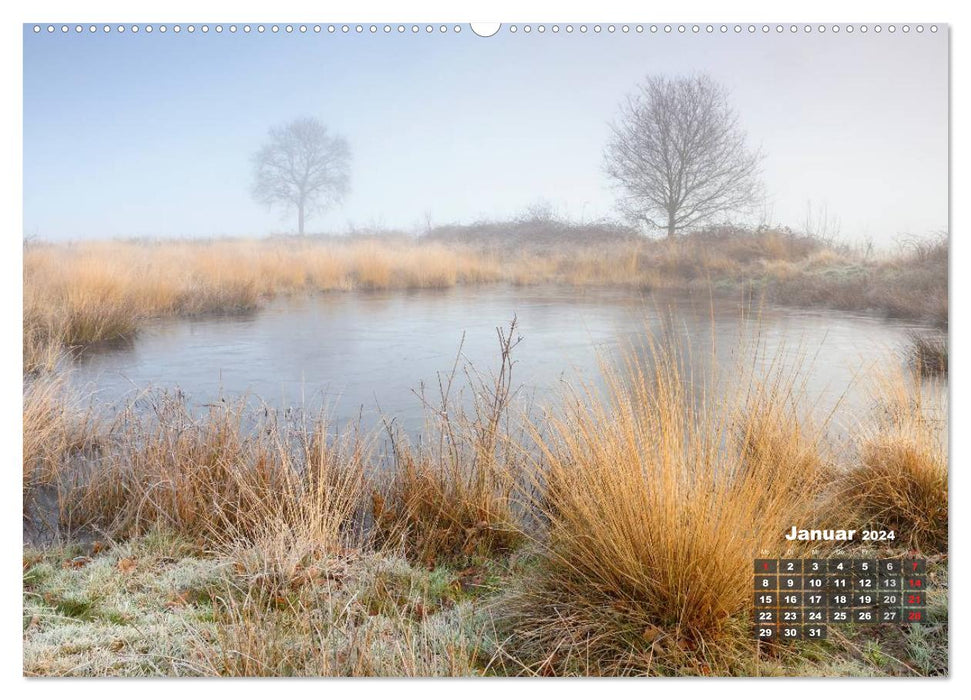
[361, 355]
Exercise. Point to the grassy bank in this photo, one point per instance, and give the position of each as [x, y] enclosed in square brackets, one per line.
[612, 536]
[76, 294]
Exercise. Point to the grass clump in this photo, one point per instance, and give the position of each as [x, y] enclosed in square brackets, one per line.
[57, 432]
[928, 353]
[658, 498]
[901, 480]
[228, 474]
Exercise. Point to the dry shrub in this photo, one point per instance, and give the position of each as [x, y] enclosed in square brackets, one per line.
[658, 497]
[456, 497]
[901, 482]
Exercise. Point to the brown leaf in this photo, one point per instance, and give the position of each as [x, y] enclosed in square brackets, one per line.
[687, 644]
[76, 563]
[126, 565]
[97, 547]
[651, 633]
[117, 645]
[177, 600]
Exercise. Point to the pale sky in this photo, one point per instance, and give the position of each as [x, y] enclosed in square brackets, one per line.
[151, 134]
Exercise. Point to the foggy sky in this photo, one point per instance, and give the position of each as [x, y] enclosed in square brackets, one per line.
[151, 134]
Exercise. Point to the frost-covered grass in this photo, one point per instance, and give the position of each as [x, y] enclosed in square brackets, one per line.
[159, 606]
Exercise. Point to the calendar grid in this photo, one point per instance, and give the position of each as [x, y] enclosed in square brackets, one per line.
[801, 598]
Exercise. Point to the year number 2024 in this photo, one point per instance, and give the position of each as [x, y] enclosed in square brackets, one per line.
[878, 535]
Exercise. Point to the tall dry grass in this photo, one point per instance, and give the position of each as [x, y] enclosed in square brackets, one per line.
[658, 495]
[900, 482]
[230, 475]
[928, 353]
[75, 294]
[83, 293]
[58, 432]
[909, 283]
[233, 473]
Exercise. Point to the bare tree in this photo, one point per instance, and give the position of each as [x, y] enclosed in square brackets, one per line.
[303, 167]
[678, 155]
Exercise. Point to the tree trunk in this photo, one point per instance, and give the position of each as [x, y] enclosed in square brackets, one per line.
[671, 228]
[300, 218]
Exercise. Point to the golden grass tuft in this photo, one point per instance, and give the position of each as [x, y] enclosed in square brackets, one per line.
[658, 497]
[901, 481]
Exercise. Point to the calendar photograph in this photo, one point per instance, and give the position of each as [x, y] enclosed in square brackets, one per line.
[485, 350]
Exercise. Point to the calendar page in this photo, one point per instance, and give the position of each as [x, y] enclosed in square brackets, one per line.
[409, 346]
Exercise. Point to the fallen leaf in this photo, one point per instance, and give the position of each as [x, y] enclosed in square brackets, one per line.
[126, 565]
[117, 645]
[76, 563]
[651, 633]
[177, 600]
[97, 547]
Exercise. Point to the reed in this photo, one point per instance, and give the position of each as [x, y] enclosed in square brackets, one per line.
[58, 433]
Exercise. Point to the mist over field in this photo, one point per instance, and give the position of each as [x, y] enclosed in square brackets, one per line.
[151, 134]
